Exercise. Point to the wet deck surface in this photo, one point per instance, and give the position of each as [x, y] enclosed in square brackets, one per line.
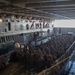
[17, 69]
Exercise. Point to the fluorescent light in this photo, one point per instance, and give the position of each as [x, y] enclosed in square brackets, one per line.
[1, 20]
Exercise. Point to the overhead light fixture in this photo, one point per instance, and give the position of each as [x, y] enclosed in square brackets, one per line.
[1, 20]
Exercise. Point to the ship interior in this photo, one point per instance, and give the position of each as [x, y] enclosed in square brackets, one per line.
[30, 44]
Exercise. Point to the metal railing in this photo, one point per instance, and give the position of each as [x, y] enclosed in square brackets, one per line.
[60, 63]
[67, 53]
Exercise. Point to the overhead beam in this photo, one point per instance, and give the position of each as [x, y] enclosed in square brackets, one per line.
[68, 11]
[65, 9]
[38, 1]
[50, 7]
[42, 11]
[29, 8]
[33, 12]
[44, 4]
[26, 10]
[54, 6]
[22, 14]
[67, 15]
[39, 11]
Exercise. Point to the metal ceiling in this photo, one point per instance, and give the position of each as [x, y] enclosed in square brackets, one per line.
[55, 9]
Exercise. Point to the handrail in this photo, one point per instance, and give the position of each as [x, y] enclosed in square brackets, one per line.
[65, 52]
[44, 71]
[58, 61]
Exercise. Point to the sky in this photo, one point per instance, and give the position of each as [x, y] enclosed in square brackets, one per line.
[64, 23]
